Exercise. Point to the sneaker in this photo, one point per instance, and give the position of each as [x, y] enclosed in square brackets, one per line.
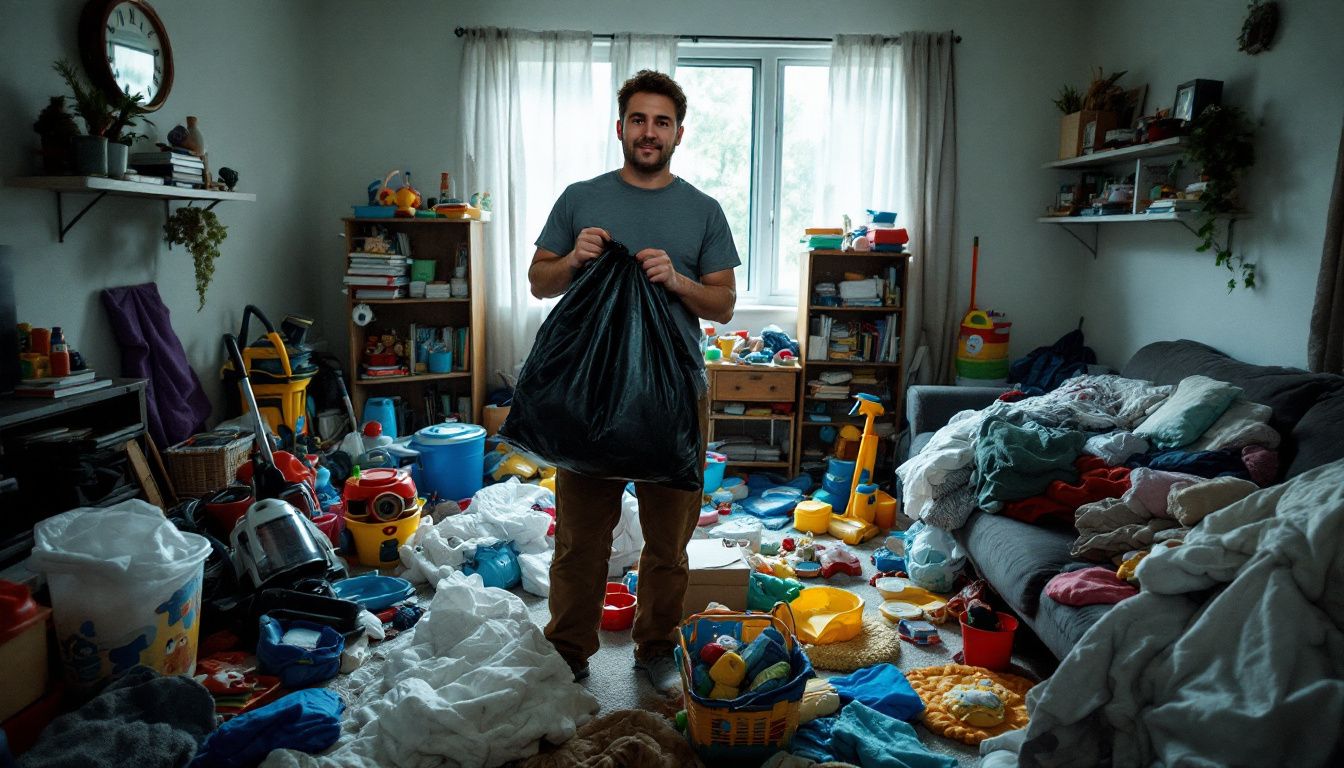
[662, 672]
[580, 672]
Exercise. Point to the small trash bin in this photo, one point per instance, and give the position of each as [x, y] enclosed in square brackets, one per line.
[991, 650]
[125, 590]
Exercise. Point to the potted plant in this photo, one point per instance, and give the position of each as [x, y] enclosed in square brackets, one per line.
[1221, 145]
[201, 232]
[90, 148]
[57, 128]
[1098, 108]
[126, 110]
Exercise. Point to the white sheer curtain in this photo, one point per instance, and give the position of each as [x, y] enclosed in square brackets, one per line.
[891, 144]
[629, 54]
[529, 128]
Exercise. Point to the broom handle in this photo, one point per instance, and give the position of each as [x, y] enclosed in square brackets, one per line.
[975, 266]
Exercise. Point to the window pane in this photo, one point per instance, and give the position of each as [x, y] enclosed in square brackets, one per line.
[803, 106]
[715, 153]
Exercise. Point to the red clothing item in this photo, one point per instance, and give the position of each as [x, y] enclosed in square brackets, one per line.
[1096, 481]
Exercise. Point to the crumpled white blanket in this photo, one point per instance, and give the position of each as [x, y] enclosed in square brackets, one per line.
[1232, 653]
[478, 685]
[500, 512]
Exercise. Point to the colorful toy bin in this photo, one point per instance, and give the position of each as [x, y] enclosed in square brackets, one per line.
[125, 590]
[452, 461]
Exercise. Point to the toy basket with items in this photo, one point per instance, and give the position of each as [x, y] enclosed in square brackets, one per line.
[744, 675]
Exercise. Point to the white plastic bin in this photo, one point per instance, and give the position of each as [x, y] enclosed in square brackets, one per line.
[125, 590]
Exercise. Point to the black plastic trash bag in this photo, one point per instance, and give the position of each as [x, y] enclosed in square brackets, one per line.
[610, 388]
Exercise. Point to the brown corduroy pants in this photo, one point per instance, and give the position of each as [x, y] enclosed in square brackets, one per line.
[587, 510]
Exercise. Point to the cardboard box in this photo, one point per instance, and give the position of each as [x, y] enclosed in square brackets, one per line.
[1073, 129]
[494, 416]
[718, 574]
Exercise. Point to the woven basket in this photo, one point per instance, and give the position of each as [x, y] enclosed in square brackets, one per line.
[198, 470]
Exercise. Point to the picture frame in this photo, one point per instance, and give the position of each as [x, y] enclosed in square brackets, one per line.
[1134, 103]
[1089, 137]
[1193, 96]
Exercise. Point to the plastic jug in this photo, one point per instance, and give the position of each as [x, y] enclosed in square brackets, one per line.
[382, 410]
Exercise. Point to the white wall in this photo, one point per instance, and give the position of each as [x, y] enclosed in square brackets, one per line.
[1148, 283]
[1011, 61]
[247, 70]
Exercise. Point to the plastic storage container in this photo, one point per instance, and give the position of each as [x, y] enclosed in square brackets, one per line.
[991, 650]
[23, 648]
[452, 460]
[125, 590]
[383, 411]
[715, 464]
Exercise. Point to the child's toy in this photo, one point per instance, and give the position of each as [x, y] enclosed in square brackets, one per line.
[856, 524]
[764, 591]
[711, 652]
[505, 462]
[807, 569]
[931, 606]
[728, 642]
[896, 610]
[886, 560]
[839, 560]
[618, 608]
[727, 673]
[918, 632]
[812, 516]
[827, 615]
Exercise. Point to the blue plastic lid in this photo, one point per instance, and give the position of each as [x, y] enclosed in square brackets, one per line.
[449, 434]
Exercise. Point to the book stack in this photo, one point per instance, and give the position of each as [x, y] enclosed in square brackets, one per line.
[377, 275]
[61, 386]
[175, 168]
[439, 289]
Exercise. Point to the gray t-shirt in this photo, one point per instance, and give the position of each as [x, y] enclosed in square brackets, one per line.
[678, 218]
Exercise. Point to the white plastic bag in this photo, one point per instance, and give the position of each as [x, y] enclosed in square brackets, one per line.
[125, 589]
[932, 557]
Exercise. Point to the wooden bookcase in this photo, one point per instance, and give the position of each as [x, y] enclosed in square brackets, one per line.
[439, 239]
[826, 266]
[754, 386]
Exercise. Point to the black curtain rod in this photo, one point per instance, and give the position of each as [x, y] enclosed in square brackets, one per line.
[460, 31]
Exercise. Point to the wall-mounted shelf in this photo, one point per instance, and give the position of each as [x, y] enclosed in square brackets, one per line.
[1161, 148]
[1185, 219]
[101, 187]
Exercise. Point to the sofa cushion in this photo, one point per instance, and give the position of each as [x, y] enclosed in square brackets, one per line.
[1060, 626]
[1317, 435]
[1289, 392]
[1016, 558]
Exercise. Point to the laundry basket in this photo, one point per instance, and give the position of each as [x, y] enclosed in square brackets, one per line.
[205, 463]
[750, 728]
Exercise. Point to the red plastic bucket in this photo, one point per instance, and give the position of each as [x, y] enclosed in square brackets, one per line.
[991, 650]
[618, 608]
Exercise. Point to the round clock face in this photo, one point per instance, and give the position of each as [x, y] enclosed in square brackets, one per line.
[974, 344]
[125, 49]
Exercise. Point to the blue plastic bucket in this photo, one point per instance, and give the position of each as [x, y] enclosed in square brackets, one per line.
[383, 411]
[715, 464]
[452, 460]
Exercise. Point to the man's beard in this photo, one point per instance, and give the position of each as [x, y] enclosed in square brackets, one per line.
[653, 166]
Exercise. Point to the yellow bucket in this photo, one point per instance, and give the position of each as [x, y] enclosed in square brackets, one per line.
[812, 516]
[376, 543]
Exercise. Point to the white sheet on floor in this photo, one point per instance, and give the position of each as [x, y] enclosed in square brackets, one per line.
[500, 512]
[477, 686]
[1233, 653]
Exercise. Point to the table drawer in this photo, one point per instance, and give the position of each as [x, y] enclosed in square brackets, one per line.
[771, 386]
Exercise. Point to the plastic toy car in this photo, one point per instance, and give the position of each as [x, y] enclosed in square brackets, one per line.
[918, 632]
[839, 560]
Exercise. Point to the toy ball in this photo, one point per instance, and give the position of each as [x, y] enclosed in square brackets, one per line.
[711, 652]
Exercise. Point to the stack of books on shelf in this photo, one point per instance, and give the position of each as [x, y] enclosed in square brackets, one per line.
[177, 169]
[377, 275]
[438, 289]
[863, 341]
[53, 387]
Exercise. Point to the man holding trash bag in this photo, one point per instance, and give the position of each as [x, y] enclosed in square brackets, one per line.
[681, 239]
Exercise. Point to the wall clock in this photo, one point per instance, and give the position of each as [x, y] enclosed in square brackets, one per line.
[125, 47]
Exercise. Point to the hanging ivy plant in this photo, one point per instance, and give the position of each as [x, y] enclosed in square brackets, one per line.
[200, 232]
[1222, 147]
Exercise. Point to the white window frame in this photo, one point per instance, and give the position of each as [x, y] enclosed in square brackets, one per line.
[768, 60]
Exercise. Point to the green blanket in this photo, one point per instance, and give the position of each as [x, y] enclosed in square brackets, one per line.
[1017, 462]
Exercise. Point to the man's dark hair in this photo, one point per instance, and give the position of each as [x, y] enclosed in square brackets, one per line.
[649, 81]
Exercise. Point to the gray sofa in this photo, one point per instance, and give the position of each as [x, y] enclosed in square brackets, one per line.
[1017, 559]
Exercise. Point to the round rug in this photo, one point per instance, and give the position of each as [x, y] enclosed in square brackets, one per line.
[932, 682]
[876, 643]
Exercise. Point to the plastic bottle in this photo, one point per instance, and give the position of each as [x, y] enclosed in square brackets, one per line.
[60, 353]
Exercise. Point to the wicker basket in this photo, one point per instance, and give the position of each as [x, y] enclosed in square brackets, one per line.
[198, 470]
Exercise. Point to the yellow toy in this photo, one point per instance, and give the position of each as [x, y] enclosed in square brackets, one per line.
[856, 524]
[727, 673]
[512, 463]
